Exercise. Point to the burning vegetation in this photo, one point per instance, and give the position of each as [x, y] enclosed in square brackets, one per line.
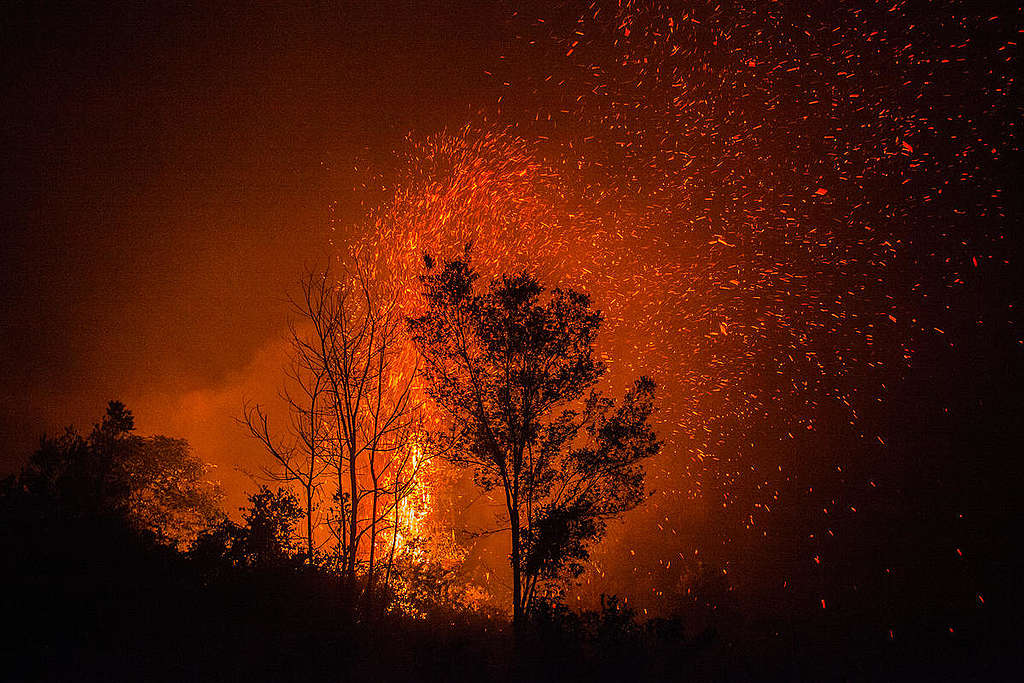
[680, 358]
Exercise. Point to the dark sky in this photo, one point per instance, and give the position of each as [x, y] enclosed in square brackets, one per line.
[168, 171]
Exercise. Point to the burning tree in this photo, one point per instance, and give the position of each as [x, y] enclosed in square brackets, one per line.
[514, 372]
[352, 419]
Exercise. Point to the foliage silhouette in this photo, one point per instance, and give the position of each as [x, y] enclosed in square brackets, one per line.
[154, 483]
[92, 595]
[513, 369]
[266, 537]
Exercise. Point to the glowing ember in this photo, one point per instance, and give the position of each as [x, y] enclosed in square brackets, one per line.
[742, 215]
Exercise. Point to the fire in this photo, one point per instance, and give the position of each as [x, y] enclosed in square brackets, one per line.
[751, 279]
[414, 509]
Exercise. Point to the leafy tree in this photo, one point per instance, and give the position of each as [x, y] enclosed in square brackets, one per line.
[266, 538]
[154, 483]
[267, 535]
[512, 367]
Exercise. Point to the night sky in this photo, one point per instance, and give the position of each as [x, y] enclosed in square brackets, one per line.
[800, 222]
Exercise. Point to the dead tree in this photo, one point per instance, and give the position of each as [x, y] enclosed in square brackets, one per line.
[369, 369]
[303, 455]
[354, 418]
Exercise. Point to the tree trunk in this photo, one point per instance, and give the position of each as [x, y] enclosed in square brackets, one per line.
[517, 564]
[373, 546]
[394, 546]
[517, 586]
[342, 524]
[353, 521]
[309, 526]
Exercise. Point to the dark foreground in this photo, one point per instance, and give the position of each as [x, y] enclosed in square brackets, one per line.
[94, 601]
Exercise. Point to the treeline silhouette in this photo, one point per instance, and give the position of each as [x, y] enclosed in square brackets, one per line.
[99, 586]
[120, 564]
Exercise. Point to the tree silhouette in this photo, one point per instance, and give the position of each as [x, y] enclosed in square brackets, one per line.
[154, 483]
[513, 369]
[352, 417]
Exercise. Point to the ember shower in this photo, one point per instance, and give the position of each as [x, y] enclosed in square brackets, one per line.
[767, 204]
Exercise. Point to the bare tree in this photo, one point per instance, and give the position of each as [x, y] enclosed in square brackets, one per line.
[353, 413]
[301, 460]
[369, 369]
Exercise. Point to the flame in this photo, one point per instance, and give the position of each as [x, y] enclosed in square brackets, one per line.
[414, 508]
